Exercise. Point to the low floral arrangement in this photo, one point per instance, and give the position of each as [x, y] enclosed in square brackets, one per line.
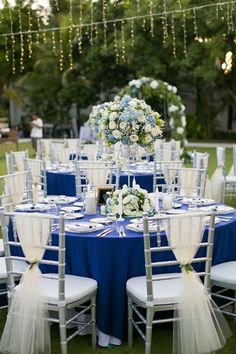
[135, 201]
[128, 120]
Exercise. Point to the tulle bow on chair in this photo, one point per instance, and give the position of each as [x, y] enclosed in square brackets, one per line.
[200, 327]
[27, 330]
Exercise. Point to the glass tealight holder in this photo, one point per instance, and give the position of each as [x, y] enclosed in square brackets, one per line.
[90, 200]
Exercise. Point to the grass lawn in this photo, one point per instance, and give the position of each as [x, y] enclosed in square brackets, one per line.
[162, 336]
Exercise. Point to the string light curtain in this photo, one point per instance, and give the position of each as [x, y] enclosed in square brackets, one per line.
[152, 17]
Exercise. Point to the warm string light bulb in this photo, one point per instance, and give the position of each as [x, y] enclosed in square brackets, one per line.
[104, 6]
[29, 40]
[184, 35]
[13, 60]
[132, 33]
[54, 47]
[173, 35]
[61, 59]
[123, 50]
[70, 34]
[22, 51]
[92, 20]
[79, 35]
[116, 43]
[6, 49]
[151, 18]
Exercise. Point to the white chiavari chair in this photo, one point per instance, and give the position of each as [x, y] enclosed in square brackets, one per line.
[17, 189]
[223, 281]
[95, 173]
[217, 179]
[15, 161]
[160, 173]
[200, 160]
[188, 182]
[39, 295]
[167, 151]
[88, 151]
[72, 143]
[64, 155]
[37, 169]
[43, 149]
[230, 179]
[196, 329]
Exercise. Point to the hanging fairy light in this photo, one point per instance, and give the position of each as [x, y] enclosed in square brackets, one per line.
[116, 43]
[22, 51]
[6, 49]
[227, 65]
[173, 35]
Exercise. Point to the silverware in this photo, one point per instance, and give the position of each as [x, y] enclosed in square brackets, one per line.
[106, 233]
[103, 232]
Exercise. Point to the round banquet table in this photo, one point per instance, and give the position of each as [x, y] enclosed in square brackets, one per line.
[63, 183]
[112, 260]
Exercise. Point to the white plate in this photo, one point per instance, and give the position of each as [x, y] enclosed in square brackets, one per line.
[71, 209]
[60, 199]
[101, 220]
[79, 204]
[72, 216]
[220, 209]
[32, 207]
[84, 227]
[176, 211]
[140, 220]
[139, 227]
[198, 201]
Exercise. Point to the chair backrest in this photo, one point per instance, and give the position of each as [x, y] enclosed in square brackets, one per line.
[188, 182]
[15, 161]
[160, 173]
[234, 160]
[37, 169]
[17, 189]
[63, 155]
[200, 160]
[167, 151]
[12, 242]
[73, 144]
[88, 151]
[96, 173]
[179, 237]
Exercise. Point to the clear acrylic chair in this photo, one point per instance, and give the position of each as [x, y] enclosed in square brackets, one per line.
[32, 233]
[37, 169]
[160, 173]
[156, 293]
[188, 182]
[96, 173]
[15, 161]
[17, 189]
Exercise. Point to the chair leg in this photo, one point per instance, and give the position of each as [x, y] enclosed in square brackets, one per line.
[148, 341]
[62, 327]
[93, 326]
[130, 325]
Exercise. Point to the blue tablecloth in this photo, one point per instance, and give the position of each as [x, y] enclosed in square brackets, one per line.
[64, 183]
[112, 261]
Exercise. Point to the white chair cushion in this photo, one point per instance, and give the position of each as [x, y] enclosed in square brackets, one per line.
[76, 288]
[230, 179]
[18, 266]
[165, 291]
[1, 248]
[224, 275]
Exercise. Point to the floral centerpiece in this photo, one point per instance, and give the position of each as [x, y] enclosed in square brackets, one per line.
[135, 201]
[127, 120]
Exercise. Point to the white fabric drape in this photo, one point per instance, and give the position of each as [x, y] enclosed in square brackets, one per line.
[169, 170]
[27, 329]
[19, 160]
[96, 175]
[200, 328]
[208, 189]
[217, 179]
[35, 168]
[63, 155]
[90, 151]
[188, 179]
[14, 185]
